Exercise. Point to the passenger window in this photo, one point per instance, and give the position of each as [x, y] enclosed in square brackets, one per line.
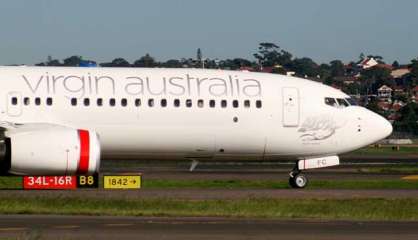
[37, 101]
[86, 102]
[200, 103]
[258, 104]
[224, 103]
[49, 101]
[342, 102]
[247, 103]
[235, 104]
[188, 103]
[99, 102]
[14, 101]
[212, 103]
[137, 102]
[124, 102]
[74, 101]
[26, 101]
[330, 102]
[112, 102]
[163, 102]
[176, 103]
[151, 102]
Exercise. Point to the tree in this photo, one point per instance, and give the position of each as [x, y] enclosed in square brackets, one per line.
[145, 61]
[408, 121]
[172, 63]
[120, 62]
[72, 61]
[395, 64]
[375, 77]
[414, 74]
[372, 106]
[352, 88]
[54, 62]
[337, 68]
[241, 62]
[305, 67]
[199, 55]
[269, 55]
[362, 57]
[117, 62]
[324, 71]
[329, 81]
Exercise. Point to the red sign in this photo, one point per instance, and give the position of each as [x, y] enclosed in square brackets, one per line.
[50, 182]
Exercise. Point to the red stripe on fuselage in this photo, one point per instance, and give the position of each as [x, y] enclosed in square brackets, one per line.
[83, 164]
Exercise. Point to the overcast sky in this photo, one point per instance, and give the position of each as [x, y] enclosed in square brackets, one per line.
[102, 30]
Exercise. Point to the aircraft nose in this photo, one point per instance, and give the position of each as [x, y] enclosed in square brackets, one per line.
[380, 126]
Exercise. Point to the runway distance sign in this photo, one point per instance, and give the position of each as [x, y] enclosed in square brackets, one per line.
[59, 182]
[50, 182]
[122, 182]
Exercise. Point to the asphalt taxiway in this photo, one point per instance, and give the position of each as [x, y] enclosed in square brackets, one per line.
[83, 227]
[75, 227]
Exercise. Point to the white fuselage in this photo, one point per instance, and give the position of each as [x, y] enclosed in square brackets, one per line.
[135, 112]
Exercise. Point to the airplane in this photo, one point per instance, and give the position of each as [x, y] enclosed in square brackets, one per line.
[64, 120]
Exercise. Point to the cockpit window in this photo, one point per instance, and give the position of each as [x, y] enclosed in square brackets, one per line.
[352, 101]
[331, 102]
[342, 102]
[337, 102]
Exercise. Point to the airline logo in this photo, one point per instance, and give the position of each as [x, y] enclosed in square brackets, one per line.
[179, 85]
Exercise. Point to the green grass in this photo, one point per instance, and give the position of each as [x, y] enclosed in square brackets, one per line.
[266, 184]
[355, 209]
[391, 169]
[11, 182]
[386, 150]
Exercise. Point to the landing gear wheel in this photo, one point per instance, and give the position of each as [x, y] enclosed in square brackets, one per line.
[298, 181]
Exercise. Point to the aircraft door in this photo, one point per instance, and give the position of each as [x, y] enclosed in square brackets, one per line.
[290, 107]
[14, 104]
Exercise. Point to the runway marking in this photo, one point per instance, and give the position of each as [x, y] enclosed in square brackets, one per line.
[13, 229]
[410, 177]
[118, 224]
[66, 227]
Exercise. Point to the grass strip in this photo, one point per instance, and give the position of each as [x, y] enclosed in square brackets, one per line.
[390, 170]
[270, 184]
[385, 151]
[355, 209]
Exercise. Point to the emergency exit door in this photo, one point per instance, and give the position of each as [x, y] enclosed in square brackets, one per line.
[290, 107]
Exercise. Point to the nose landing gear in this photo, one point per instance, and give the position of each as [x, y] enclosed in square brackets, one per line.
[297, 179]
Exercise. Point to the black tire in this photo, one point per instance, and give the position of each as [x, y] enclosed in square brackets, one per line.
[300, 181]
[292, 183]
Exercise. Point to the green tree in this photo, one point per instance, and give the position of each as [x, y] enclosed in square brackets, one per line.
[172, 63]
[305, 67]
[270, 54]
[352, 88]
[408, 121]
[337, 68]
[414, 74]
[324, 71]
[375, 77]
[372, 106]
[145, 61]
[120, 62]
[73, 61]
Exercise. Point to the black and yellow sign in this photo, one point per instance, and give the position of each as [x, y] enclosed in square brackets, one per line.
[88, 181]
[122, 182]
